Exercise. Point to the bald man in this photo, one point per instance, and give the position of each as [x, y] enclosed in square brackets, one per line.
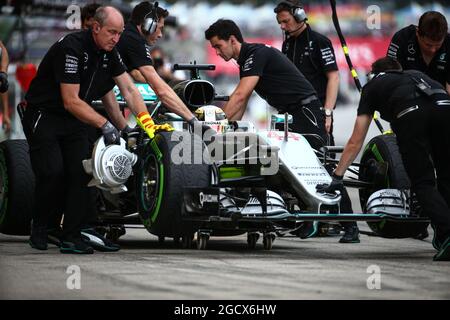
[79, 68]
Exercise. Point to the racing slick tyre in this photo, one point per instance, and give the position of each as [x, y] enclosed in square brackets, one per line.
[16, 187]
[162, 177]
[382, 164]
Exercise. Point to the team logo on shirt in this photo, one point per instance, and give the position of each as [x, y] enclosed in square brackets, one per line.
[392, 51]
[328, 56]
[411, 48]
[248, 64]
[86, 58]
[147, 51]
[442, 57]
[71, 64]
[105, 61]
[120, 57]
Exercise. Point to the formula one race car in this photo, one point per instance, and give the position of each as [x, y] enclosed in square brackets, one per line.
[228, 180]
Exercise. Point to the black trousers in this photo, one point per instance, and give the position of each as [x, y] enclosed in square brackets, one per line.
[310, 120]
[94, 192]
[58, 143]
[423, 138]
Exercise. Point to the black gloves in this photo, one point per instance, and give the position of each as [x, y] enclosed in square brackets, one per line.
[194, 123]
[3, 82]
[336, 184]
[128, 132]
[110, 134]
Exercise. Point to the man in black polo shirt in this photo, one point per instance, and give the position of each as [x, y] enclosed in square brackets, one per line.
[425, 47]
[144, 29]
[418, 109]
[276, 79]
[313, 54]
[75, 71]
[267, 71]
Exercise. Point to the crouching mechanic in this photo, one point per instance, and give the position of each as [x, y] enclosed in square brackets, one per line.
[276, 79]
[418, 109]
[71, 75]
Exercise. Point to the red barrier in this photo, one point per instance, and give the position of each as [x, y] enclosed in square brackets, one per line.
[24, 74]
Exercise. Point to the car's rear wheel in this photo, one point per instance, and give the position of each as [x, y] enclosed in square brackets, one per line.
[382, 165]
[16, 187]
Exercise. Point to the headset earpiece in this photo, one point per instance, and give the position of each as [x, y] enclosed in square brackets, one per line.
[299, 14]
[150, 20]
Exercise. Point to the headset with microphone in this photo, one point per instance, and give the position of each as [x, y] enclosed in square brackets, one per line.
[150, 22]
[297, 11]
[299, 15]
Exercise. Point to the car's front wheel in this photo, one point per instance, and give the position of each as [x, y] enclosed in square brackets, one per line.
[382, 152]
[161, 179]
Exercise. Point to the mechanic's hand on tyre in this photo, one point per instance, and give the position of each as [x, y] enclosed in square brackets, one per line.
[195, 124]
[3, 82]
[337, 184]
[146, 122]
[110, 134]
[128, 131]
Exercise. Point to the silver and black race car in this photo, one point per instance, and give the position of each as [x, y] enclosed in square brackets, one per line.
[228, 180]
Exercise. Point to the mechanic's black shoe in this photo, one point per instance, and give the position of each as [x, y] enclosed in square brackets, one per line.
[351, 235]
[334, 230]
[98, 242]
[307, 230]
[54, 236]
[75, 245]
[444, 252]
[422, 235]
[38, 238]
[438, 238]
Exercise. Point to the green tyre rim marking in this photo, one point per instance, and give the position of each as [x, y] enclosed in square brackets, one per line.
[379, 226]
[149, 221]
[377, 153]
[378, 156]
[3, 187]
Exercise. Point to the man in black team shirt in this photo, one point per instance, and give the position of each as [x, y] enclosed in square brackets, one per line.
[313, 54]
[144, 29]
[273, 76]
[425, 47]
[267, 71]
[418, 109]
[74, 72]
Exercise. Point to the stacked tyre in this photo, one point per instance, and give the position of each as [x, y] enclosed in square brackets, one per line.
[16, 187]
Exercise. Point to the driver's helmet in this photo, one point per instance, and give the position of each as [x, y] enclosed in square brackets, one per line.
[210, 113]
[212, 116]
